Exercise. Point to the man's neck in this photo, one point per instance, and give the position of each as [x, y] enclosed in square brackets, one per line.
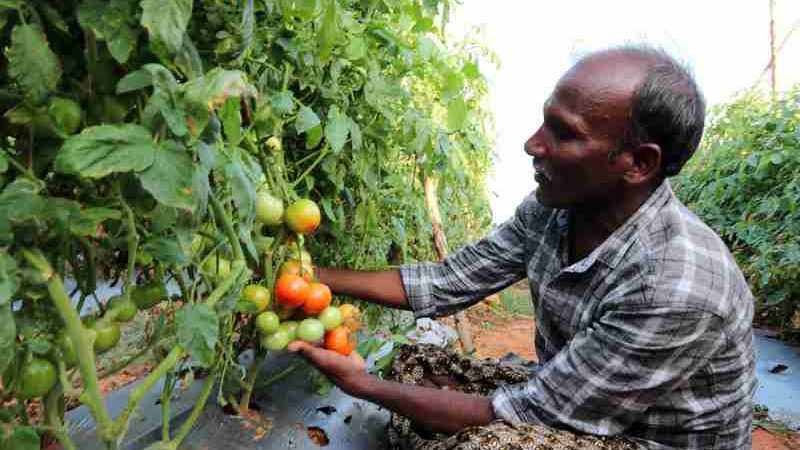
[591, 224]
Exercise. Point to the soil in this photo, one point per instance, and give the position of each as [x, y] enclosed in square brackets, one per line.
[497, 334]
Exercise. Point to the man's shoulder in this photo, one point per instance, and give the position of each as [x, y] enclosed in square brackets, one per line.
[688, 262]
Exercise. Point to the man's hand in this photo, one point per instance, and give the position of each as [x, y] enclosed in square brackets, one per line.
[347, 372]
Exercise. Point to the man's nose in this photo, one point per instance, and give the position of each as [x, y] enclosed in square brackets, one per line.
[535, 145]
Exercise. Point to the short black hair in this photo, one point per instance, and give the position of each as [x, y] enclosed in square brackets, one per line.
[667, 108]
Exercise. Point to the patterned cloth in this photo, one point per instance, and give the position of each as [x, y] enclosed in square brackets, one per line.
[417, 364]
[649, 336]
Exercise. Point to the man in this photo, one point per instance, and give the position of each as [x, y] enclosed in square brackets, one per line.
[643, 319]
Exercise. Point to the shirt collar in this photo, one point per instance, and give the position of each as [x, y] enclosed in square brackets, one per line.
[613, 249]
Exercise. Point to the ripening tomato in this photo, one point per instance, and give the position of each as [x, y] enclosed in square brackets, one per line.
[350, 315]
[291, 290]
[269, 209]
[295, 267]
[303, 216]
[257, 295]
[38, 377]
[340, 340]
[319, 297]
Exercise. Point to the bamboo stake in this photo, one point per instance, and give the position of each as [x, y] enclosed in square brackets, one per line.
[440, 244]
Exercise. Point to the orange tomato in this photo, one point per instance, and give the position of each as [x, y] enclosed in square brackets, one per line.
[295, 267]
[291, 290]
[319, 297]
[340, 340]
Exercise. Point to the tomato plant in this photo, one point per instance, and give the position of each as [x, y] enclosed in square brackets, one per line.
[137, 139]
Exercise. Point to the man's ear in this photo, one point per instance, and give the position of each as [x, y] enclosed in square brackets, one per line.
[645, 164]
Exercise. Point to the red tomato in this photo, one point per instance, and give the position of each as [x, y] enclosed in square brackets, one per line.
[291, 290]
[319, 297]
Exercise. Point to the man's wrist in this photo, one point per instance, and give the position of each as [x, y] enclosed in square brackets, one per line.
[365, 386]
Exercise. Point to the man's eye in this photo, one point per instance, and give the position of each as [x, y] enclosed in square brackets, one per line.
[561, 132]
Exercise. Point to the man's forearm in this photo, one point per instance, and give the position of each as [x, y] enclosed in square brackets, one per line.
[437, 410]
[381, 287]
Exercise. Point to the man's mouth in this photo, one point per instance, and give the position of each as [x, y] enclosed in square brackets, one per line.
[541, 174]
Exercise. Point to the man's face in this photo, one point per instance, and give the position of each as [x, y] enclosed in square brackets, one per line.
[584, 119]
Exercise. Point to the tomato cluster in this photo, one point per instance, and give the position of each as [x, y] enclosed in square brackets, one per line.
[302, 308]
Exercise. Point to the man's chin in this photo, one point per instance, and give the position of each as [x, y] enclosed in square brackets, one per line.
[544, 199]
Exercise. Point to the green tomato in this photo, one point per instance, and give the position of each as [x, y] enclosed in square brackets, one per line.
[65, 115]
[310, 330]
[290, 326]
[330, 317]
[257, 295]
[269, 209]
[217, 268]
[148, 295]
[108, 334]
[267, 322]
[68, 351]
[126, 309]
[276, 341]
[38, 377]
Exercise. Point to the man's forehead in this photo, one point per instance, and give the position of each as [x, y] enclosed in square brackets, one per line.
[599, 87]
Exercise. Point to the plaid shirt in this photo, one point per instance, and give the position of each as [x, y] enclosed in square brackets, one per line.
[648, 337]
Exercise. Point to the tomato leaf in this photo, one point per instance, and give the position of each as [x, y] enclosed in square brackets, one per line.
[355, 135]
[134, 81]
[205, 94]
[306, 120]
[337, 128]
[198, 331]
[456, 114]
[23, 438]
[113, 23]
[243, 186]
[167, 251]
[329, 29]
[32, 64]
[282, 103]
[166, 21]
[165, 99]
[231, 119]
[8, 336]
[87, 221]
[102, 150]
[170, 178]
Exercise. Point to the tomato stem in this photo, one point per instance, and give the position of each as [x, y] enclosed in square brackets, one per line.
[84, 346]
[133, 240]
[167, 364]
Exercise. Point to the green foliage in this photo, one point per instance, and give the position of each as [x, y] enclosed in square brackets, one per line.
[744, 183]
[182, 112]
